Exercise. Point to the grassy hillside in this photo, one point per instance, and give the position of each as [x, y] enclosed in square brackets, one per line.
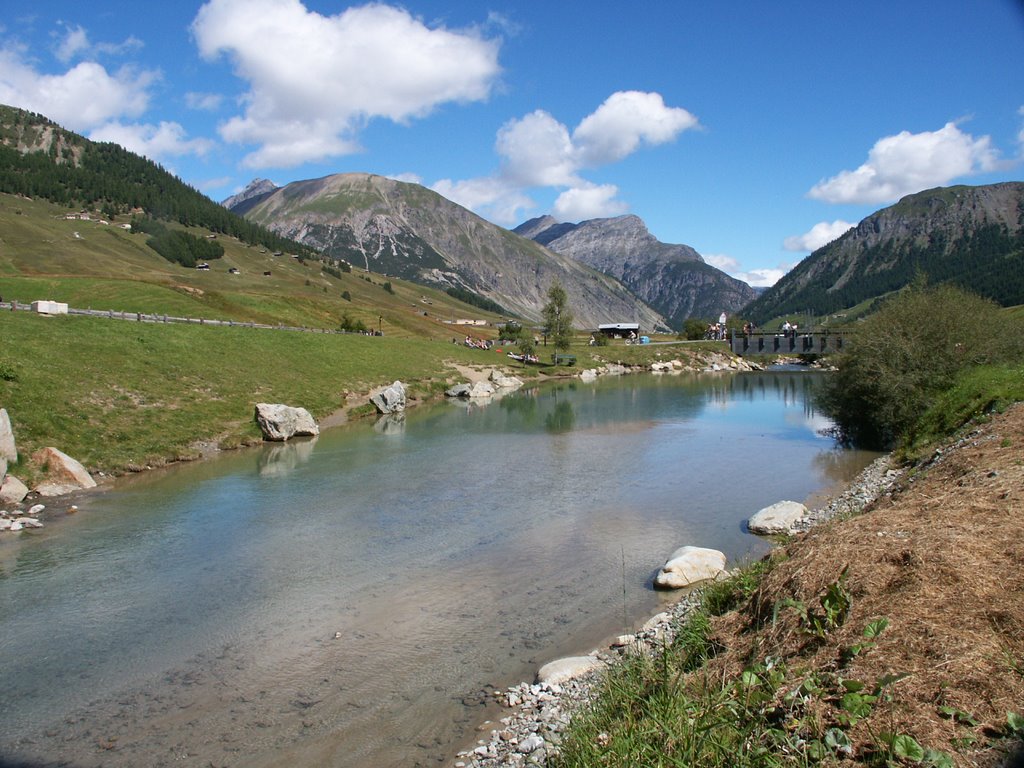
[102, 266]
[121, 395]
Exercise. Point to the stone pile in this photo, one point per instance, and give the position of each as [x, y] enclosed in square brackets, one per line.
[63, 475]
[540, 712]
[705, 362]
[497, 383]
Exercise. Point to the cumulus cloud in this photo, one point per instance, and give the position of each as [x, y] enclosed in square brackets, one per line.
[588, 202]
[538, 151]
[764, 278]
[820, 234]
[910, 162]
[82, 98]
[153, 141]
[502, 201]
[623, 122]
[757, 278]
[314, 80]
[721, 261]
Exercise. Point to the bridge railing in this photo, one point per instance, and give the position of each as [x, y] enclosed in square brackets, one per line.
[817, 343]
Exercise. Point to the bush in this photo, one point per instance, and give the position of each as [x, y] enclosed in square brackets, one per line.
[905, 355]
[693, 329]
[351, 326]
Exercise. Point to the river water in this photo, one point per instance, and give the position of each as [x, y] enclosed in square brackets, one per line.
[347, 601]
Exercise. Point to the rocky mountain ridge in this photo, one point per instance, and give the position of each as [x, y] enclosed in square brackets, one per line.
[673, 279]
[254, 191]
[971, 236]
[406, 230]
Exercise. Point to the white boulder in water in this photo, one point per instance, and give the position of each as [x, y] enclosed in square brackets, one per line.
[690, 565]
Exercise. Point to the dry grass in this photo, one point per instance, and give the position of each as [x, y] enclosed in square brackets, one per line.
[943, 560]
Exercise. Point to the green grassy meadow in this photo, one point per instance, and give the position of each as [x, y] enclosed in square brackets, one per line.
[119, 395]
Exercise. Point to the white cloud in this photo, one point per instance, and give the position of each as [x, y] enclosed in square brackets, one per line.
[763, 278]
[85, 96]
[314, 80]
[910, 162]
[206, 102]
[588, 202]
[820, 234]
[75, 43]
[721, 261]
[502, 201]
[538, 151]
[408, 177]
[153, 141]
[624, 121]
[758, 278]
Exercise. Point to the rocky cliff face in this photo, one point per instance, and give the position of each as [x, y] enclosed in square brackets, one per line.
[409, 231]
[673, 279]
[971, 236]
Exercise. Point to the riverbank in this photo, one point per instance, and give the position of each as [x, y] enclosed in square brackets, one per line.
[539, 713]
[118, 415]
[934, 551]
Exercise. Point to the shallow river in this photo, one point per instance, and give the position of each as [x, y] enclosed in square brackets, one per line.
[347, 601]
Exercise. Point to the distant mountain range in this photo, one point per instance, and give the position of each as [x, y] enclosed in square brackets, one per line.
[409, 231]
[970, 236]
[673, 279]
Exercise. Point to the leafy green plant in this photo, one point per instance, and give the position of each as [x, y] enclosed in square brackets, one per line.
[8, 371]
[872, 631]
[835, 603]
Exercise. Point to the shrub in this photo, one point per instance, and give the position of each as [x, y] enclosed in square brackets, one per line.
[907, 353]
[351, 326]
[693, 328]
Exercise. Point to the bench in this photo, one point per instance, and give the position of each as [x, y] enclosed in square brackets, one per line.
[564, 359]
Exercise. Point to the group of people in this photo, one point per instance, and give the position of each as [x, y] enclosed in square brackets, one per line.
[789, 329]
[715, 332]
[478, 343]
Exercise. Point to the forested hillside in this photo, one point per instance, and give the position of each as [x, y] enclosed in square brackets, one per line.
[972, 237]
[38, 158]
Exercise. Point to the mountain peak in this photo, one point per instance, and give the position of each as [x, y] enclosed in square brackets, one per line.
[254, 188]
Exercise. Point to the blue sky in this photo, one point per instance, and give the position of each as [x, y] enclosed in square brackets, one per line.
[753, 132]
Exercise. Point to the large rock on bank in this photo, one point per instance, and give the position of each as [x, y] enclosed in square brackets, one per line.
[690, 565]
[476, 391]
[390, 399]
[8, 450]
[63, 473]
[12, 491]
[781, 517]
[282, 422]
[562, 670]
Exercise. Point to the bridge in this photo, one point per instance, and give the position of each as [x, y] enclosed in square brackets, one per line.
[817, 343]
